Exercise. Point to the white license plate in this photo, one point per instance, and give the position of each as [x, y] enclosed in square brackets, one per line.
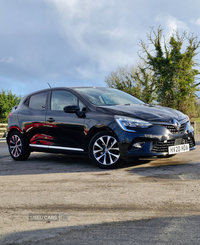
[178, 148]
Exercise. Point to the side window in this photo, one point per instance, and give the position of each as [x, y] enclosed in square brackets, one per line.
[38, 101]
[81, 105]
[62, 98]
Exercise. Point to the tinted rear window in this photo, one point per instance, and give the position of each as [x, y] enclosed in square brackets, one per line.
[38, 101]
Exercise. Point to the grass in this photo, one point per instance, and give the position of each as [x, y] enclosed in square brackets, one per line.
[195, 119]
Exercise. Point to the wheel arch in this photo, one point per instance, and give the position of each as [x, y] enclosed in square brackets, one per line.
[94, 130]
[12, 129]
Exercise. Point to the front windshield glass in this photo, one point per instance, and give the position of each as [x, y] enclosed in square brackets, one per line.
[107, 96]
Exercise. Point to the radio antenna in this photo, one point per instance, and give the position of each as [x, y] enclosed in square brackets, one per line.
[49, 84]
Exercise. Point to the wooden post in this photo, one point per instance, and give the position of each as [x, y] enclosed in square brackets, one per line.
[194, 124]
[3, 128]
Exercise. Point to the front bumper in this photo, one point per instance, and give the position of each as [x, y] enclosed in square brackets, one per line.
[154, 141]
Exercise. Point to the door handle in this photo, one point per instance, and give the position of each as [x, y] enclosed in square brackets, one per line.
[50, 120]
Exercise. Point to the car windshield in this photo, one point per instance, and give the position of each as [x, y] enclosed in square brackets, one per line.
[107, 96]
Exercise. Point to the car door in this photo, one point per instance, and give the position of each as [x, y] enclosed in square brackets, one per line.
[32, 118]
[66, 130]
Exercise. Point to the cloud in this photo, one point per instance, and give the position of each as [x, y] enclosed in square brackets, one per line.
[171, 24]
[96, 32]
[73, 42]
[9, 60]
[61, 41]
[78, 9]
[196, 22]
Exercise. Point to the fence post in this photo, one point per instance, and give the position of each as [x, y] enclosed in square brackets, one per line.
[3, 128]
[194, 125]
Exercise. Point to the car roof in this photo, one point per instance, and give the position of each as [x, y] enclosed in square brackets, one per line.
[66, 87]
[70, 88]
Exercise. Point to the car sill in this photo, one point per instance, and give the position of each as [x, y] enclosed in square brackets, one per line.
[56, 147]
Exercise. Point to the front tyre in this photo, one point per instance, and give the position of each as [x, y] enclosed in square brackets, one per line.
[104, 150]
[17, 146]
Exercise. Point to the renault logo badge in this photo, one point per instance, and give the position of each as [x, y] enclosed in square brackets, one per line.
[177, 124]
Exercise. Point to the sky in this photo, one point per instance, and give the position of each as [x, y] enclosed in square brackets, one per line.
[80, 42]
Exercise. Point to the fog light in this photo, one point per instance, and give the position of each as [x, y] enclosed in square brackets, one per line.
[138, 144]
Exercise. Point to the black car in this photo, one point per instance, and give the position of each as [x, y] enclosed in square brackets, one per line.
[107, 124]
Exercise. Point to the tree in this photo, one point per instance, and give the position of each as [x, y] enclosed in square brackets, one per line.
[7, 102]
[173, 68]
[135, 80]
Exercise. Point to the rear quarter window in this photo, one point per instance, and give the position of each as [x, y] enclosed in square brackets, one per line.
[38, 101]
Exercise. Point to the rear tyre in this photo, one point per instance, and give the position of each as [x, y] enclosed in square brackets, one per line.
[104, 150]
[17, 147]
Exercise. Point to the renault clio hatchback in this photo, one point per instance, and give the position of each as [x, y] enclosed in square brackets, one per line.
[107, 124]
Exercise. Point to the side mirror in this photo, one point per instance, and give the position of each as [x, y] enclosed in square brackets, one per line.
[71, 109]
[74, 109]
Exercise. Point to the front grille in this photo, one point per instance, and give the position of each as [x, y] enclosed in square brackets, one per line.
[173, 129]
[162, 147]
[189, 141]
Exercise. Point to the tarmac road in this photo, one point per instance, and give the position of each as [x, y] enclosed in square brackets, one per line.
[155, 202]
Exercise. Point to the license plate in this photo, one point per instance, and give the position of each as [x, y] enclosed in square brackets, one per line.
[178, 148]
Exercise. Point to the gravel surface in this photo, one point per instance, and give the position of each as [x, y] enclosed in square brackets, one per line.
[70, 194]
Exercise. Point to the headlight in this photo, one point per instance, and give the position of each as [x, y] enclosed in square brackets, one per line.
[129, 124]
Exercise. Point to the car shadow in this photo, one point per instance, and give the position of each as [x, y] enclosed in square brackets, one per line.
[176, 170]
[45, 163]
[164, 230]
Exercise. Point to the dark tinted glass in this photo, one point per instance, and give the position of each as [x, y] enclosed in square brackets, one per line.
[38, 101]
